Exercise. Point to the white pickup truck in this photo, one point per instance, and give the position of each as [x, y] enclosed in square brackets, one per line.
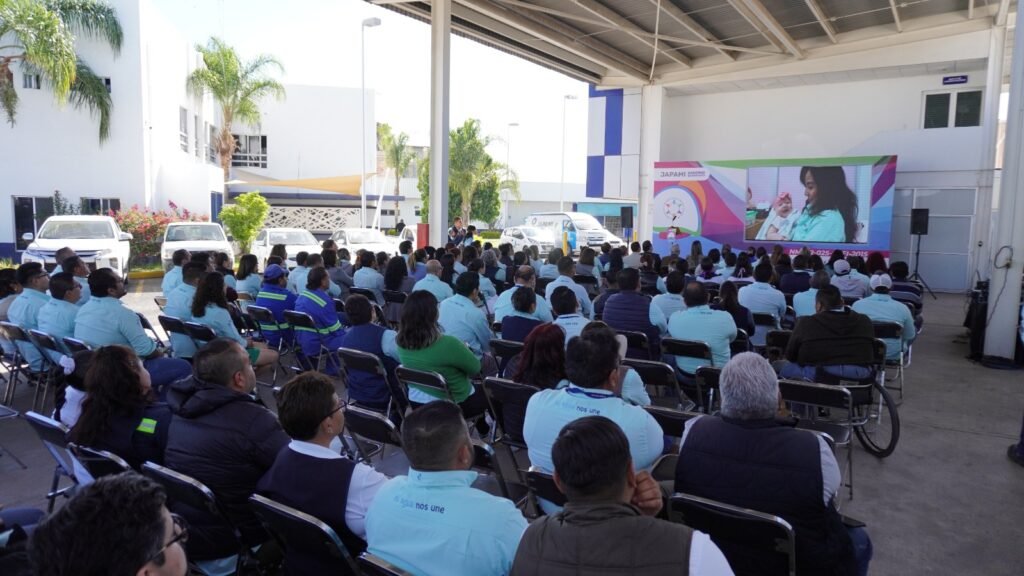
[194, 237]
[98, 240]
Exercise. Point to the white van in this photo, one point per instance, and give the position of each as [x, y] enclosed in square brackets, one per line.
[583, 229]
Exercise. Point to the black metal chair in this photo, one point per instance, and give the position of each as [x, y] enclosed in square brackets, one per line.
[20, 364]
[377, 566]
[589, 283]
[660, 378]
[507, 401]
[741, 344]
[161, 302]
[775, 343]
[832, 397]
[423, 379]
[542, 485]
[674, 348]
[302, 321]
[53, 435]
[894, 331]
[764, 323]
[200, 333]
[850, 300]
[350, 359]
[707, 381]
[304, 536]
[172, 325]
[264, 319]
[49, 348]
[734, 528]
[485, 461]
[147, 327]
[394, 300]
[98, 463]
[671, 421]
[504, 351]
[371, 426]
[637, 345]
[75, 345]
[369, 294]
[339, 305]
[788, 320]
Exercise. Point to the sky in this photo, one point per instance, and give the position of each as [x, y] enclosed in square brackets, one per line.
[318, 42]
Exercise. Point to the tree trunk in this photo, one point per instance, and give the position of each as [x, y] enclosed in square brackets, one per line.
[398, 191]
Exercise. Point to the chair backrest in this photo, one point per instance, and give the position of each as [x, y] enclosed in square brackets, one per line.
[53, 435]
[825, 395]
[659, 379]
[160, 302]
[245, 297]
[148, 326]
[360, 361]
[687, 349]
[708, 377]
[394, 297]
[364, 292]
[739, 528]
[377, 566]
[184, 489]
[893, 330]
[741, 343]
[636, 341]
[172, 325]
[44, 341]
[671, 421]
[762, 319]
[98, 463]
[504, 350]
[303, 535]
[585, 279]
[75, 345]
[508, 400]
[15, 333]
[200, 332]
[423, 379]
[542, 485]
[372, 425]
[339, 305]
[299, 319]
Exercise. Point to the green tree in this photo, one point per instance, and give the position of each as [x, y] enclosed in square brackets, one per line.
[39, 35]
[398, 156]
[237, 87]
[245, 218]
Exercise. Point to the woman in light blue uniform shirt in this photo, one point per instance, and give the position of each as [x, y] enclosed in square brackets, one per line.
[248, 279]
[210, 308]
[830, 214]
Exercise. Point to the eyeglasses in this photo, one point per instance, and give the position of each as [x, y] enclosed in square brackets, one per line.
[341, 405]
[181, 527]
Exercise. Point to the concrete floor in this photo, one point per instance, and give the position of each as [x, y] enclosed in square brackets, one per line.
[948, 501]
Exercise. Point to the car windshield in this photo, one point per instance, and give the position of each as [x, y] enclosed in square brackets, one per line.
[531, 232]
[586, 222]
[292, 237]
[71, 230]
[365, 236]
[192, 233]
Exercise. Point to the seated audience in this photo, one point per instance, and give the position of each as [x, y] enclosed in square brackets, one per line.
[453, 528]
[105, 320]
[518, 325]
[631, 387]
[179, 305]
[248, 280]
[631, 310]
[365, 335]
[648, 273]
[880, 307]
[487, 290]
[316, 260]
[315, 301]
[222, 264]
[609, 502]
[120, 413]
[671, 300]
[57, 316]
[297, 276]
[542, 361]
[275, 296]
[803, 302]
[633, 259]
[835, 338]
[418, 264]
[117, 525]
[549, 269]
[848, 285]
[700, 323]
[901, 281]
[432, 283]
[798, 279]
[728, 301]
[396, 276]
[760, 297]
[225, 439]
[24, 310]
[524, 276]
[345, 261]
[708, 274]
[210, 308]
[611, 280]
[746, 458]
[339, 277]
[77, 267]
[461, 317]
[368, 278]
[311, 477]
[587, 266]
[173, 276]
[59, 256]
[566, 270]
[876, 264]
[565, 304]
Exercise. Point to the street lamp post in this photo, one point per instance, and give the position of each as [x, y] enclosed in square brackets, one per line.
[368, 23]
[561, 187]
[508, 168]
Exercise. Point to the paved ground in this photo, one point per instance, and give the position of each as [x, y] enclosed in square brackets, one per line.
[946, 502]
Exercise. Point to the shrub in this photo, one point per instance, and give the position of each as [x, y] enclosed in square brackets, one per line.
[489, 234]
[245, 217]
[147, 227]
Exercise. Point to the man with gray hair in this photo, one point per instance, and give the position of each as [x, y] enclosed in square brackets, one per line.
[745, 457]
[432, 282]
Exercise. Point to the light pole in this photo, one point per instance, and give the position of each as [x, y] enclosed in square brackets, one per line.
[368, 23]
[508, 167]
[561, 187]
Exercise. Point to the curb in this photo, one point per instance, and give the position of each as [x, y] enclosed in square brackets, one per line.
[145, 275]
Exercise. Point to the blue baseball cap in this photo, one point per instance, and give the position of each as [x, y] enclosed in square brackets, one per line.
[273, 272]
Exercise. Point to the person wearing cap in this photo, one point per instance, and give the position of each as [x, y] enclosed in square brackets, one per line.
[57, 316]
[275, 296]
[524, 276]
[432, 282]
[24, 311]
[880, 307]
[849, 286]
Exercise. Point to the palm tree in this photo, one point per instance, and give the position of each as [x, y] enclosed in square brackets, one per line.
[237, 87]
[471, 167]
[398, 156]
[38, 35]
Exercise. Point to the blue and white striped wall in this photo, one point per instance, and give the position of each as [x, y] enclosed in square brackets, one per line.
[613, 143]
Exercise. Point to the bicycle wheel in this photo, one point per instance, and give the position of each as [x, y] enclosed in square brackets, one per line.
[881, 430]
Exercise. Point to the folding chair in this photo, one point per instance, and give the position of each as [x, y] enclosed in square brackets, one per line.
[660, 378]
[200, 333]
[775, 343]
[675, 348]
[589, 283]
[53, 435]
[75, 345]
[303, 321]
[394, 300]
[738, 529]
[542, 285]
[373, 426]
[148, 327]
[764, 324]
[894, 331]
[350, 359]
[707, 382]
[504, 351]
[637, 345]
[424, 379]
[263, 319]
[98, 463]
[507, 401]
[486, 461]
[741, 344]
[161, 302]
[671, 421]
[308, 543]
[789, 298]
[38, 378]
[339, 305]
[364, 292]
[377, 566]
[46, 345]
[542, 485]
[825, 396]
[788, 320]
[496, 328]
[172, 325]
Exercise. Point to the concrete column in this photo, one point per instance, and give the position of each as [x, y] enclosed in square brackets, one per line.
[986, 170]
[652, 98]
[1008, 250]
[440, 44]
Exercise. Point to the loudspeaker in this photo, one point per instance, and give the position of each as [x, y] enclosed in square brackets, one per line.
[626, 216]
[919, 221]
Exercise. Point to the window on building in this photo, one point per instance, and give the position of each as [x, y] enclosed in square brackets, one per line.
[100, 206]
[417, 210]
[106, 82]
[30, 82]
[183, 128]
[211, 145]
[387, 212]
[29, 215]
[250, 151]
[199, 138]
[952, 108]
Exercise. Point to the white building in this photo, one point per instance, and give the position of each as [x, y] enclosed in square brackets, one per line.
[157, 150]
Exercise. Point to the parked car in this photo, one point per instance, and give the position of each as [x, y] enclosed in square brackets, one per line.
[407, 233]
[522, 236]
[295, 240]
[194, 237]
[371, 239]
[98, 240]
[583, 229]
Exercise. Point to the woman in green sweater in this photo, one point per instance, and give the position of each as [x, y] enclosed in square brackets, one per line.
[422, 346]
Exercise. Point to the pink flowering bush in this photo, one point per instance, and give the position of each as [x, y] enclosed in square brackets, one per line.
[147, 228]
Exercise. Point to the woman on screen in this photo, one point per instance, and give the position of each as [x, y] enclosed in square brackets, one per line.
[831, 211]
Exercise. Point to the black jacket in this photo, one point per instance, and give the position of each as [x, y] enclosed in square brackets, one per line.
[832, 338]
[227, 441]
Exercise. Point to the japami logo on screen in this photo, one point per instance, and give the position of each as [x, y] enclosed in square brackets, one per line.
[677, 212]
[695, 174]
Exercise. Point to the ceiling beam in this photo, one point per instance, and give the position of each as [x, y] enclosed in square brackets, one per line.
[896, 15]
[1004, 10]
[618, 21]
[761, 19]
[563, 36]
[826, 25]
[684, 20]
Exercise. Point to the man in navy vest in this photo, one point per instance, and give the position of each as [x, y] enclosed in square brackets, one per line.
[634, 311]
[364, 388]
[313, 478]
[746, 458]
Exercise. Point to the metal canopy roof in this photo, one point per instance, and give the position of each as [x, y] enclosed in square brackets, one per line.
[635, 42]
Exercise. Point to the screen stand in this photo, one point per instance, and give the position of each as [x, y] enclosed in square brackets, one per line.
[917, 275]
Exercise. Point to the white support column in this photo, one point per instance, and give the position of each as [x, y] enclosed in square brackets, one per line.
[986, 170]
[440, 43]
[650, 152]
[1004, 288]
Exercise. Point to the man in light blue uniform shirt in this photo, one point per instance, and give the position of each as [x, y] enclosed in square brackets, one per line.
[672, 300]
[24, 311]
[432, 282]
[368, 278]
[565, 304]
[298, 273]
[57, 317]
[80, 271]
[803, 302]
[525, 276]
[173, 276]
[566, 270]
[60, 256]
[760, 297]
[460, 317]
[880, 307]
[700, 323]
[433, 522]
[179, 305]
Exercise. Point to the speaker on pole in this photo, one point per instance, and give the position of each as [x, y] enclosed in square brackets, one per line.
[626, 216]
[919, 221]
